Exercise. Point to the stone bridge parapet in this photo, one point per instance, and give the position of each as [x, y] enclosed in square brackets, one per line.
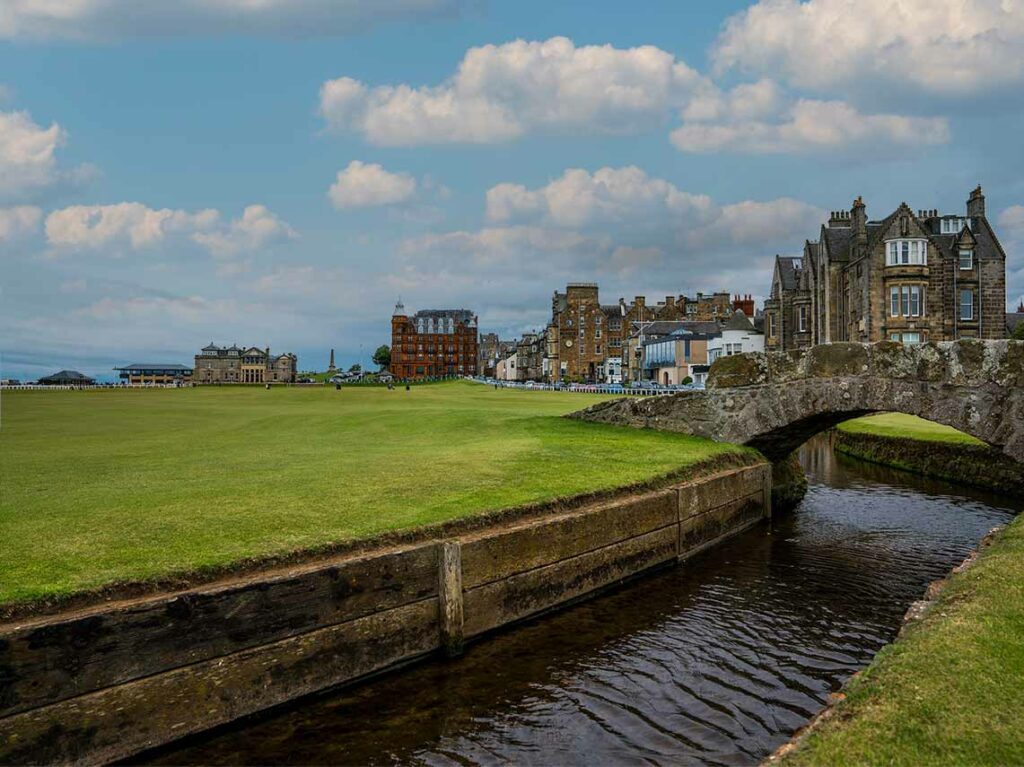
[775, 401]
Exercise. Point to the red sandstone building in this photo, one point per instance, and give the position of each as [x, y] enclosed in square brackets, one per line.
[433, 343]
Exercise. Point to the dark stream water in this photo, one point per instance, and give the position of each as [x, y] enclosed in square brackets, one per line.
[714, 662]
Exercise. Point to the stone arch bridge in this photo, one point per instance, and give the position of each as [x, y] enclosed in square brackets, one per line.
[775, 401]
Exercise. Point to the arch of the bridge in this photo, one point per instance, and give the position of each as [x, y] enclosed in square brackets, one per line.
[776, 401]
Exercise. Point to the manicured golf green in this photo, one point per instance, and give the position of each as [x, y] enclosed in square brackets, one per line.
[107, 486]
[951, 691]
[909, 427]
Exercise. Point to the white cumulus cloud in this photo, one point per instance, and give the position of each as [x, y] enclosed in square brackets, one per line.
[28, 155]
[947, 47]
[257, 227]
[501, 92]
[117, 19]
[609, 195]
[807, 126]
[129, 224]
[612, 223]
[134, 226]
[362, 185]
[19, 222]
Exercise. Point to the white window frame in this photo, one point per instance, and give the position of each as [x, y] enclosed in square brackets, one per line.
[801, 315]
[970, 260]
[906, 252]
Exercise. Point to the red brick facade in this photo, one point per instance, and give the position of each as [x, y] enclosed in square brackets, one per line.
[433, 343]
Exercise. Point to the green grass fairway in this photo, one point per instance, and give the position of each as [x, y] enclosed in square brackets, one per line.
[108, 486]
[909, 427]
[950, 693]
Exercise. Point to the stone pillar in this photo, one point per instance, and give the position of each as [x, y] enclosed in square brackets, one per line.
[788, 483]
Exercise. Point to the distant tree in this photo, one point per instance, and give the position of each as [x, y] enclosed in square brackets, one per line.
[1018, 332]
[686, 381]
[357, 368]
[382, 357]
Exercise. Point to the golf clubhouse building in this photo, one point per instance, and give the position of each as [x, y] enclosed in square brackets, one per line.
[150, 375]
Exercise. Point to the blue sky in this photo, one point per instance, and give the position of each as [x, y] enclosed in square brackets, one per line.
[280, 172]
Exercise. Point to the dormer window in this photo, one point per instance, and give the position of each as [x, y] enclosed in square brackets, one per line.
[966, 259]
[906, 253]
[953, 225]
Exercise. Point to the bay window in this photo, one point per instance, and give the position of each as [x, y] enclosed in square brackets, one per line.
[906, 253]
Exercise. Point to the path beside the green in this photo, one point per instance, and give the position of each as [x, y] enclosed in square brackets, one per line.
[908, 427]
[109, 486]
[950, 691]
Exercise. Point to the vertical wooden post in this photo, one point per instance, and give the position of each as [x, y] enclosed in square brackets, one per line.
[450, 592]
[766, 479]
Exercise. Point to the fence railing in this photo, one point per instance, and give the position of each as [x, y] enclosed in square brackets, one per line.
[625, 391]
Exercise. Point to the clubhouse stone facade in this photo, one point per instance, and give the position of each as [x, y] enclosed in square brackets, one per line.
[232, 364]
[909, 278]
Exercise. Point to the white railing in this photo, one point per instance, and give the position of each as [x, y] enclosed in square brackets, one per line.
[631, 391]
[89, 387]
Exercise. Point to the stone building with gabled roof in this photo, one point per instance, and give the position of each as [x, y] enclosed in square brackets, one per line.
[233, 364]
[910, 277]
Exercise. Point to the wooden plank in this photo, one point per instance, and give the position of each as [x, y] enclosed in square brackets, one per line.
[697, 530]
[519, 596]
[700, 496]
[493, 555]
[450, 595]
[51, 660]
[120, 721]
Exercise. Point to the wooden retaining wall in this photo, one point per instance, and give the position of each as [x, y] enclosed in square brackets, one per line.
[106, 682]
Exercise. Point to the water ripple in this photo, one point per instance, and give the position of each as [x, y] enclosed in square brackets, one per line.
[715, 662]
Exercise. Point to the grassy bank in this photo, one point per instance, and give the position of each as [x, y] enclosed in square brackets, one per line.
[950, 692]
[107, 486]
[909, 427]
[911, 444]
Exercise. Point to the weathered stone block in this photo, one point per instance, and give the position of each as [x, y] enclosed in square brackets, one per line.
[738, 370]
[841, 359]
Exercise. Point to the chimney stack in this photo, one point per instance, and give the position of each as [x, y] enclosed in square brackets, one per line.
[838, 218]
[859, 221]
[976, 203]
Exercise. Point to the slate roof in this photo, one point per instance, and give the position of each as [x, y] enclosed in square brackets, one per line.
[667, 327]
[154, 366]
[838, 241]
[461, 315]
[788, 267]
[738, 321]
[70, 376]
